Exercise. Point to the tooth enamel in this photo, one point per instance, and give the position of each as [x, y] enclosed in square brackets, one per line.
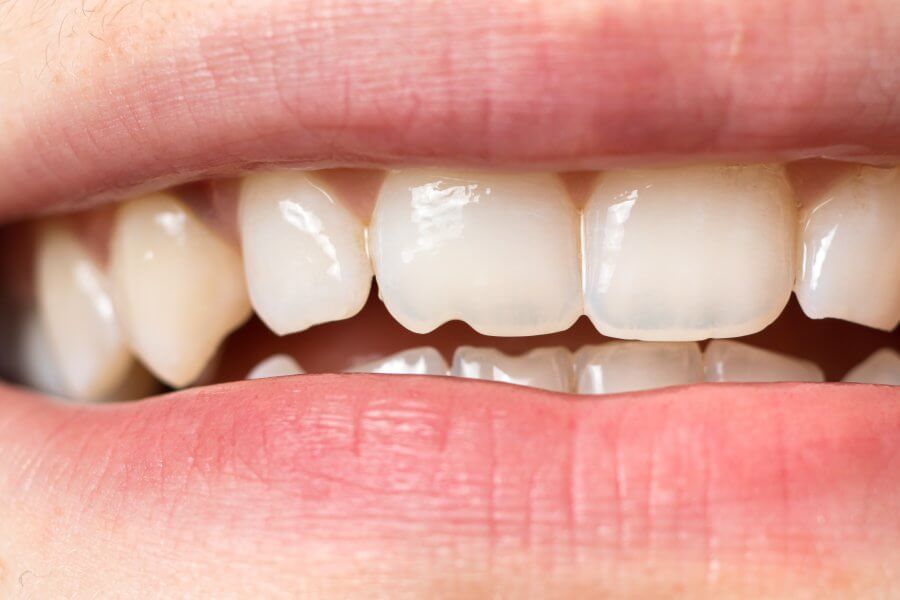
[36, 361]
[498, 251]
[726, 360]
[277, 365]
[849, 263]
[882, 367]
[546, 368]
[631, 366]
[688, 253]
[178, 287]
[78, 316]
[304, 252]
[416, 361]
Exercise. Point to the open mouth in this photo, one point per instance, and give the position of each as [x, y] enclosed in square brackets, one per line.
[665, 342]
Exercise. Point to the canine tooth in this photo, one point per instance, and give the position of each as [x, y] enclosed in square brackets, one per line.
[178, 286]
[727, 360]
[849, 263]
[546, 368]
[688, 253]
[304, 252]
[498, 251]
[277, 365]
[882, 366]
[416, 361]
[630, 366]
[78, 316]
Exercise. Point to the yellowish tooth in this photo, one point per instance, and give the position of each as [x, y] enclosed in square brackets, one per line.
[882, 367]
[617, 367]
[277, 365]
[416, 361]
[545, 368]
[727, 360]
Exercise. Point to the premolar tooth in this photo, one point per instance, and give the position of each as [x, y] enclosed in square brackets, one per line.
[178, 286]
[304, 252]
[688, 253]
[546, 368]
[498, 251]
[882, 367]
[78, 316]
[630, 366]
[849, 263]
[416, 361]
[277, 365]
[727, 360]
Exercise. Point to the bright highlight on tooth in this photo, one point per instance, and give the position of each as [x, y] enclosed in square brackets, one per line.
[882, 367]
[617, 367]
[277, 365]
[726, 360]
[178, 286]
[416, 361]
[545, 368]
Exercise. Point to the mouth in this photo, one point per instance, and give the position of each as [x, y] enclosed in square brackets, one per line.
[542, 325]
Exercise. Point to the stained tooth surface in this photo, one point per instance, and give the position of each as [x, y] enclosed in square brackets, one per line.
[78, 316]
[277, 365]
[688, 253]
[849, 263]
[416, 361]
[883, 367]
[546, 368]
[178, 286]
[727, 360]
[630, 366]
[498, 251]
[304, 252]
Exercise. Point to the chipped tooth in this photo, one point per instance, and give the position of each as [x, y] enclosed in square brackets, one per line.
[277, 365]
[727, 360]
[304, 252]
[688, 253]
[178, 286]
[546, 368]
[78, 317]
[882, 367]
[631, 366]
[498, 251]
[849, 263]
[416, 361]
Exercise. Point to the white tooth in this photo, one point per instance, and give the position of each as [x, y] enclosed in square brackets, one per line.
[883, 367]
[37, 364]
[849, 263]
[498, 251]
[178, 286]
[417, 361]
[727, 360]
[304, 252]
[630, 366]
[688, 253]
[78, 316]
[277, 365]
[546, 368]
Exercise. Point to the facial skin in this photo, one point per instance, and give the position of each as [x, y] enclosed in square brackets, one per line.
[98, 99]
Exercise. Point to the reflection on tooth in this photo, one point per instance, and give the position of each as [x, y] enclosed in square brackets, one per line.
[688, 253]
[78, 316]
[498, 251]
[37, 364]
[727, 360]
[179, 288]
[546, 368]
[883, 367]
[849, 263]
[417, 361]
[304, 253]
[277, 365]
[630, 366]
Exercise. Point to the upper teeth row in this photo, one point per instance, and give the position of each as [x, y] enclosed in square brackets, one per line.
[656, 254]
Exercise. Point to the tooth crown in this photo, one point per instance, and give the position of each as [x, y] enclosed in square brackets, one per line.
[727, 360]
[882, 367]
[415, 361]
[277, 365]
[617, 367]
[546, 368]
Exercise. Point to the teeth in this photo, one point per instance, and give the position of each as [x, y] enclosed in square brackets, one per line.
[631, 366]
[304, 253]
[37, 364]
[883, 367]
[78, 316]
[849, 264]
[727, 360]
[498, 251]
[688, 253]
[547, 368]
[277, 365]
[179, 287]
[417, 361]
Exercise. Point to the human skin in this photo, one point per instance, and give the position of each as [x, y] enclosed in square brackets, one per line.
[375, 486]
